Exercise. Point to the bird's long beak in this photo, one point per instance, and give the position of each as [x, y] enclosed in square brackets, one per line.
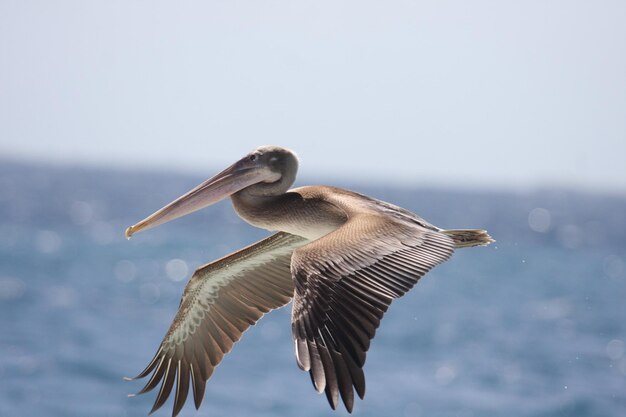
[224, 184]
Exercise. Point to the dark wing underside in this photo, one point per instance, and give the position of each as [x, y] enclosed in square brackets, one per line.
[219, 303]
[345, 282]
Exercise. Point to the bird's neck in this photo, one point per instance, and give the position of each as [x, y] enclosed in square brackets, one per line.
[245, 200]
[259, 210]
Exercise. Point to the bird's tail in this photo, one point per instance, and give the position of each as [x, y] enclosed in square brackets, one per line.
[466, 238]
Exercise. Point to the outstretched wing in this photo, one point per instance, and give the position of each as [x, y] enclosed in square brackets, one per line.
[345, 282]
[219, 303]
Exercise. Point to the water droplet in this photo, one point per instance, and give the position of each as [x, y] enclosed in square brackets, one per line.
[125, 271]
[47, 241]
[81, 213]
[176, 269]
[445, 374]
[11, 288]
[615, 349]
[539, 220]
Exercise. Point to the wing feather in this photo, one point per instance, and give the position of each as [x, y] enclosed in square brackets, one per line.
[220, 302]
[166, 386]
[198, 384]
[182, 385]
[345, 281]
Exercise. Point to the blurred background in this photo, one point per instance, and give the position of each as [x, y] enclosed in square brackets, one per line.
[508, 116]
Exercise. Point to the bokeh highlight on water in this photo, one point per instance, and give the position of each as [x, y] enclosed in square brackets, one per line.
[533, 325]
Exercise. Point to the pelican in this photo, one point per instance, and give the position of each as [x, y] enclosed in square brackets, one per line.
[341, 256]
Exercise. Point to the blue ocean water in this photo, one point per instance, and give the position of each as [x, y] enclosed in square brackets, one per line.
[533, 325]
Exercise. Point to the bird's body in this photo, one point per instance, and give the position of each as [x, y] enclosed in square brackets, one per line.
[342, 257]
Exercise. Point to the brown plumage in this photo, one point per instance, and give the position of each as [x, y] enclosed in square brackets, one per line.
[342, 256]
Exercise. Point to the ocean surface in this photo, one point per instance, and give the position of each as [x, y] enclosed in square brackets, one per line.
[533, 325]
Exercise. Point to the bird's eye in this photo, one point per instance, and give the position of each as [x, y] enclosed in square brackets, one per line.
[253, 157]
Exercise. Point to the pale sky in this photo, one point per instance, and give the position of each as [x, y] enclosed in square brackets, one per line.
[457, 93]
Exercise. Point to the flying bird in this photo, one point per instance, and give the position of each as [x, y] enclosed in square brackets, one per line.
[341, 256]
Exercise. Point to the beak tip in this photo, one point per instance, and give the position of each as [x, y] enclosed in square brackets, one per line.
[129, 232]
